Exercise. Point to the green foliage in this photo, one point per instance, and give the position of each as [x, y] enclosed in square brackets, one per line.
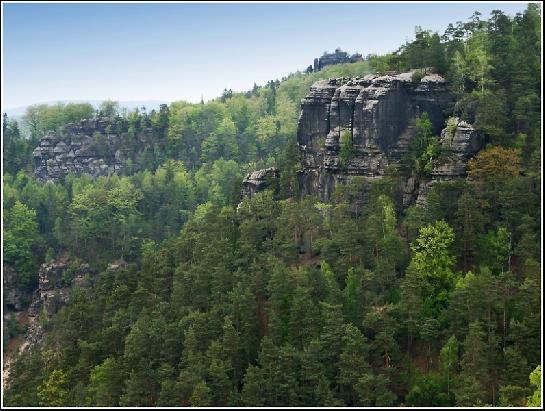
[424, 147]
[53, 391]
[282, 301]
[495, 249]
[109, 108]
[104, 217]
[289, 164]
[492, 66]
[494, 165]
[535, 379]
[417, 76]
[448, 360]
[474, 375]
[105, 384]
[434, 263]
[41, 118]
[512, 396]
[346, 149]
[17, 153]
[226, 312]
[353, 361]
[427, 391]
[202, 396]
[20, 236]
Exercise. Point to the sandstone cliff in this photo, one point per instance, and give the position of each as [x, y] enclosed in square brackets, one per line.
[95, 147]
[378, 112]
[56, 280]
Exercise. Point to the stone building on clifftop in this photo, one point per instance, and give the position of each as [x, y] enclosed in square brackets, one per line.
[338, 57]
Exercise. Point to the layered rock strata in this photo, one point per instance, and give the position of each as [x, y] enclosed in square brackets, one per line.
[377, 112]
[88, 147]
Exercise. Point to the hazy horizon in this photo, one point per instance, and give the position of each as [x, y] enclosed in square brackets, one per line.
[17, 112]
[170, 52]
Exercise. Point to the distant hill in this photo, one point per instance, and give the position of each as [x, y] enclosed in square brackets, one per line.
[17, 112]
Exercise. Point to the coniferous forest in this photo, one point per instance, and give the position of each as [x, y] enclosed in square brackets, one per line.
[179, 291]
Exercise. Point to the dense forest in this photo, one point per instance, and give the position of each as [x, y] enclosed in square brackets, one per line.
[283, 300]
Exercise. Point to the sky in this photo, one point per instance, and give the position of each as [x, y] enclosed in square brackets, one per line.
[168, 52]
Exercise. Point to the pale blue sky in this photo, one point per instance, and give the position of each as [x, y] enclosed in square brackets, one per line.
[182, 51]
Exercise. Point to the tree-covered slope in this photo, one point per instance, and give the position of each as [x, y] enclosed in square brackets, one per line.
[278, 300]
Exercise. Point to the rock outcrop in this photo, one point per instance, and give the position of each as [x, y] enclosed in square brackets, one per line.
[88, 147]
[377, 112]
[259, 180]
[459, 146]
[377, 117]
[56, 280]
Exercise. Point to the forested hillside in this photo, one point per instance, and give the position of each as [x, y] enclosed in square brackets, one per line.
[195, 296]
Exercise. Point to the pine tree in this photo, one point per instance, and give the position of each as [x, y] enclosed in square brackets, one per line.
[471, 388]
[201, 396]
[353, 362]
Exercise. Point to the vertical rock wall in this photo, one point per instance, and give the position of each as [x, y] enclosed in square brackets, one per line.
[377, 112]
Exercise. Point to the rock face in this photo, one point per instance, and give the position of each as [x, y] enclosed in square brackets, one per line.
[259, 180]
[377, 112]
[459, 146]
[55, 281]
[88, 147]
[338, 57]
